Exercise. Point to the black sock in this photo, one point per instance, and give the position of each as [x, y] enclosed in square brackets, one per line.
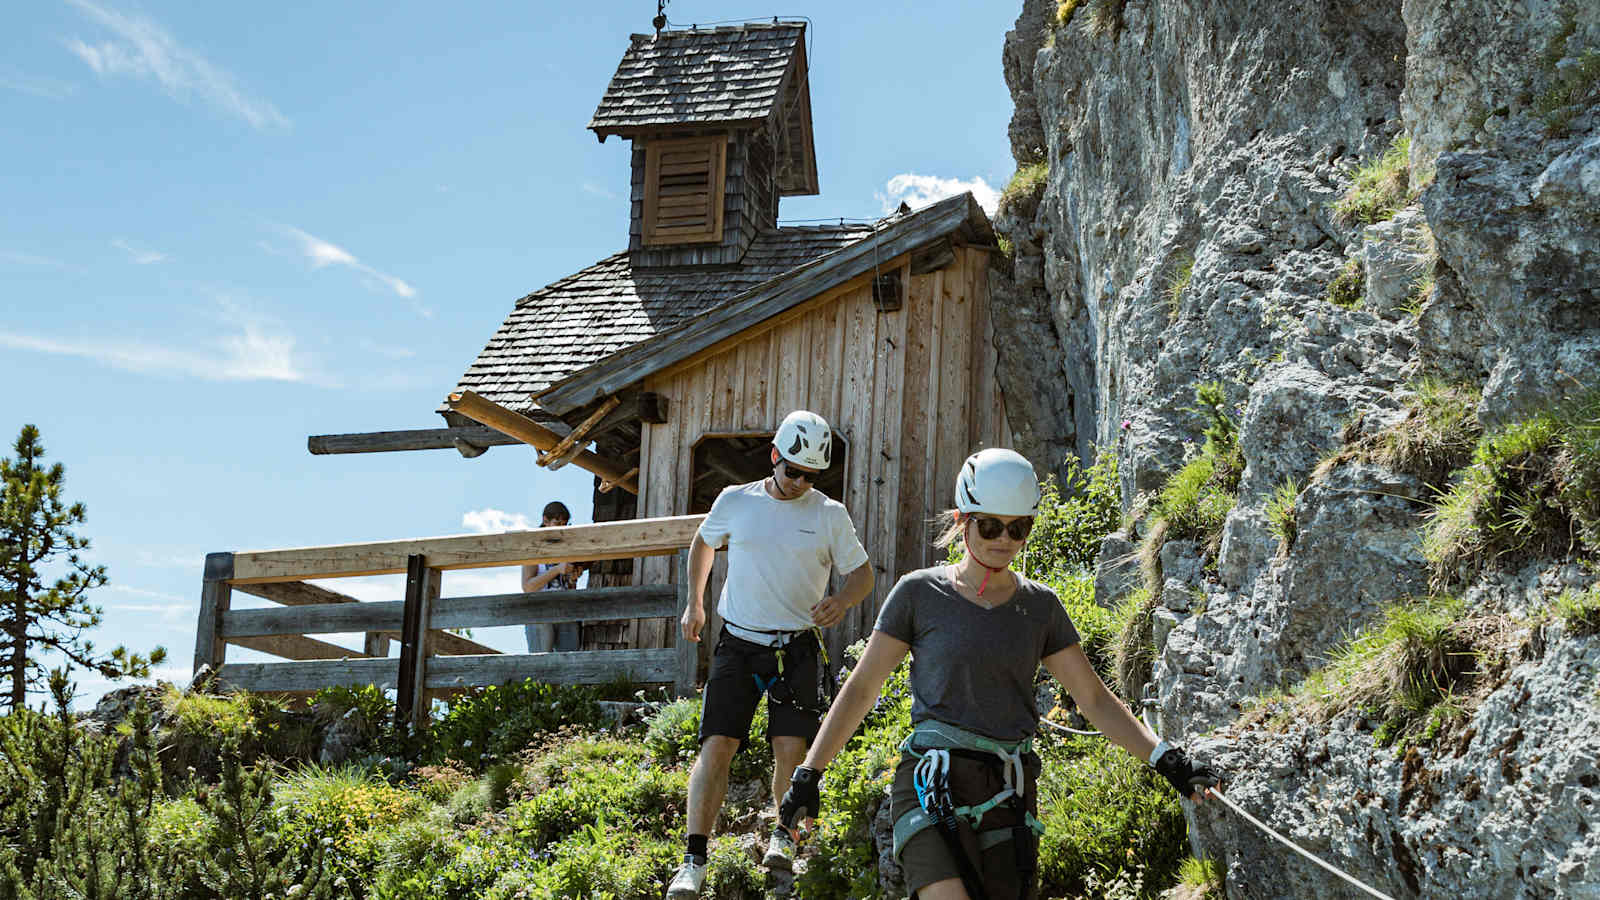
[697, 847]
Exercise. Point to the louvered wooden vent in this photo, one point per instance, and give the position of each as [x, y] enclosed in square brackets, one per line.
[683, 182]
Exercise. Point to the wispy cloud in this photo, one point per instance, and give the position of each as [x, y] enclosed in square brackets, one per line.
[590, 187]
[918, 191]
[255, 353]
[37, 85]
[139, 256]
[142, 48]
[18, 258]
[495, 521]
[321, 254]
[159, 603]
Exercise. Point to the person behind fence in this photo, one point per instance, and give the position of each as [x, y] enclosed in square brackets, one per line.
[964, 799]
[545, 637]
[783, 537]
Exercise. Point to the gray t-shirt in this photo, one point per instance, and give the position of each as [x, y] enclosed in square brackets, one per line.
[974, 667]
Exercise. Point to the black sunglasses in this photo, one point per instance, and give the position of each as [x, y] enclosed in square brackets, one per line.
[795, 474]
[990, 528]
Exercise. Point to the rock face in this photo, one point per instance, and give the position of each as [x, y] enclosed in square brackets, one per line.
[1185, 233]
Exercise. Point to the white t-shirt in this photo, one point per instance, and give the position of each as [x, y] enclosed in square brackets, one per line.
[779, 554]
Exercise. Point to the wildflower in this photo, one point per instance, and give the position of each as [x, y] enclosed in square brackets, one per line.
[1126, 424]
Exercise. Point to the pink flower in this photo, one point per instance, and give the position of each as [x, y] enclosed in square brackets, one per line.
[1126, 424]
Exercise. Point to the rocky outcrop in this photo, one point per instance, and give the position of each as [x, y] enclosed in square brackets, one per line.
[1186, 233]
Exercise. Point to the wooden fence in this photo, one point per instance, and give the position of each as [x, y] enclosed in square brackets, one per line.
[433, 660]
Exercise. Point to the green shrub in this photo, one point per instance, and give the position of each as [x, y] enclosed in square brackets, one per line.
[1379, 189]
[1532, 491]
[1073, 518]
[495, 723]
[672, 735]
[600, 781]
[1348, 288]
[345, 810]
[1104, 813]
[1280, 512]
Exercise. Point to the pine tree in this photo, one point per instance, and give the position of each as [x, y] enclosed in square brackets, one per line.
[35, 533]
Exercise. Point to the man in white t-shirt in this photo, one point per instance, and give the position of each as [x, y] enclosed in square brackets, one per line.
[783, 538]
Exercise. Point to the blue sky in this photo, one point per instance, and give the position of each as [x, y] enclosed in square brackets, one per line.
[228, 227]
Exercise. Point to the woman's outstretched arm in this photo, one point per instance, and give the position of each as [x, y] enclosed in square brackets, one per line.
[855, 699]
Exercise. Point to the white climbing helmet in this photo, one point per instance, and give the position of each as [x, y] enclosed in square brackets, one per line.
[805, 439]
[998, 482]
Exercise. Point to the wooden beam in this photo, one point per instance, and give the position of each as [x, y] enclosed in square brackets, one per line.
[296, 593]
[411, 701]
[561, 453]
[410, 439]
[575, 667]
[215, 597]
[310, 675]
[607, 486]
[481, 409]
[457, 612]
[574, 543]
[933, 257]
[295, 646]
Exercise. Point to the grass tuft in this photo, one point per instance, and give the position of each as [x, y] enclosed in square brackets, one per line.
[1065, 9]
[1105, 19]
[1419, 670]
[1281, 513]
[1379, 189]
[1133, 658]
[1028, 182]
[1532, 491]
[1580, 611]
[1434, 440]
[1178, 284]
[1564, 99]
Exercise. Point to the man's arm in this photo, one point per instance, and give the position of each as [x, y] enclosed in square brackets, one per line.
[857, 585]
[533, 581]
[701, 556]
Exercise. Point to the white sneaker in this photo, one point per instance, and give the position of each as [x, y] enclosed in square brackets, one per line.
[687, 883]
[780, 852]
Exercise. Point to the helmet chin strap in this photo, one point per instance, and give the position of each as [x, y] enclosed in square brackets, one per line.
[988, 570]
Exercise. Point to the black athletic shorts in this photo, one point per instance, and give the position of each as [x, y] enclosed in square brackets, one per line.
[741, 671]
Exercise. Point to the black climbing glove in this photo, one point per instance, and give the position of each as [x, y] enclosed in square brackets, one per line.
[1186, 777]
[802, 800]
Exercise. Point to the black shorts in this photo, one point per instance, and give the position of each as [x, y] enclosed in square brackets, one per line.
[741, 671]
[926, 858]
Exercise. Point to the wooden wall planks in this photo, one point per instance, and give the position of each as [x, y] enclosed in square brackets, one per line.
[912, 390]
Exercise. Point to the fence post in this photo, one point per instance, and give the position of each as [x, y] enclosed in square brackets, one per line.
[215, 596]
[688, 651]
[411, 694]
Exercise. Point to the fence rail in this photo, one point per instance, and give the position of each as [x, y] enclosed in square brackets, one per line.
[432, 659]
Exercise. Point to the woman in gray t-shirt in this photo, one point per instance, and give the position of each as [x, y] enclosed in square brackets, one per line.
[977, 633]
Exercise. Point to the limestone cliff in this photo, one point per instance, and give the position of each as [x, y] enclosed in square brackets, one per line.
[1185, 232]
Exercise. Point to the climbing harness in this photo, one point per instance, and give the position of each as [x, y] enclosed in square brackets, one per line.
[777, 686]
[1149, 703]
[933, 743]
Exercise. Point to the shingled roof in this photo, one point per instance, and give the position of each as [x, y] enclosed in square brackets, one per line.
[566, 326]
[741, 74]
